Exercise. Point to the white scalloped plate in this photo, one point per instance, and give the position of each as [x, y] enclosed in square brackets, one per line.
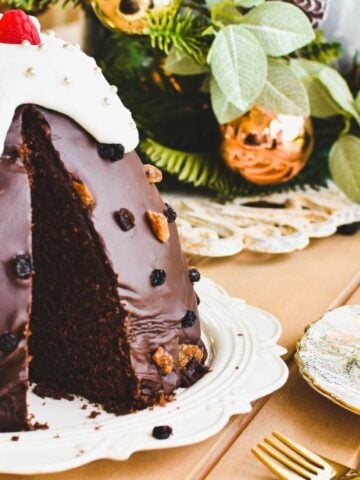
[245, 365]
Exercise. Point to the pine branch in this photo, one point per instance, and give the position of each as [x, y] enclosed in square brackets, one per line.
[319, 50]
[198, 170]
[183, 30]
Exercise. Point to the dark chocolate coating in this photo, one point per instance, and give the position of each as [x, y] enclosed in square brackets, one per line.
[155, 313]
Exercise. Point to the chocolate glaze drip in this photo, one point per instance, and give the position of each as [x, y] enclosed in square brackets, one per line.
[153, 314]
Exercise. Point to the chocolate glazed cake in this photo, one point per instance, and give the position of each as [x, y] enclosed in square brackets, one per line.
[96, 298]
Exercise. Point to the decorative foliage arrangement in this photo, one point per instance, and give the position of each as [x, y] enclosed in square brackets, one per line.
[197, 64]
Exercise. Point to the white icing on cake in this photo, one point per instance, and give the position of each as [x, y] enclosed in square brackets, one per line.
[59, 76]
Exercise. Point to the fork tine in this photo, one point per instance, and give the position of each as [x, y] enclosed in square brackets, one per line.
[304, 452]
[285, 461]
[275, 468]
[289, 453]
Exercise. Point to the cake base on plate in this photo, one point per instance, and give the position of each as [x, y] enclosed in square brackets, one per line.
[244, 363]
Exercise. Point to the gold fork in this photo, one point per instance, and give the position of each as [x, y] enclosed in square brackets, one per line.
[290, 461]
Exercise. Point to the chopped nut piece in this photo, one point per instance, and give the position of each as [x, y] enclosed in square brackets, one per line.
[85, 196]
[153, 174]
[163, 360]
[159, 225]
[188, 352]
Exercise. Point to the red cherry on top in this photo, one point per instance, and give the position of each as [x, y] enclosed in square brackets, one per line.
[16, 26]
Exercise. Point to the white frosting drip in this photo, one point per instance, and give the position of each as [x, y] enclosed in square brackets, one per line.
[59, 76]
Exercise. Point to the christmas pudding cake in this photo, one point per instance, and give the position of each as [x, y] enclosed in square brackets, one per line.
[96, 298]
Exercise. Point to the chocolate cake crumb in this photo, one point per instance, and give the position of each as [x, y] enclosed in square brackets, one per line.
[94, 414]
[15, 438]
[193, 371]
[162, 432]
[52, 392]
[56, 436]
[111, 151]
[189, 319]
[8, 342]
[97, 427]
[41, 426]
[84, 407]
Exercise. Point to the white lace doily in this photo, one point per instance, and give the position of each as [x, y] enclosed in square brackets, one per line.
[281, 223]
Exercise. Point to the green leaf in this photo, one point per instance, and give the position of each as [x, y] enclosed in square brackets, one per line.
[357, 102]
[237, 3]
[305, 68]
[345, 166]
[205, 85]
[338, 89]
[279, 27]
[225, 13]
[181, 64]
[328, 92]
[223, 109]
[248, 3]
[322, 105]
[283, 92]
[239, 65]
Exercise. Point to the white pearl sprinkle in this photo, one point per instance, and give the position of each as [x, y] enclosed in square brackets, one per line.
[50, 33]
[114, 88]
[25, 43]
[97, 69]
[30, 72]
[66, 81]
[106, 101]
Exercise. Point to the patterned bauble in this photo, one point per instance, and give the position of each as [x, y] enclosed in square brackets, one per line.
[266, 148]
[128, 16]
[314, 9]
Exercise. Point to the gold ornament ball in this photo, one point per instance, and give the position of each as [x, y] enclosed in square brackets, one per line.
[267, 148]
[128, 16]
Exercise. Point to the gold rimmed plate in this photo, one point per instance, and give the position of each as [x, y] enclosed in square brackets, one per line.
[328, 356]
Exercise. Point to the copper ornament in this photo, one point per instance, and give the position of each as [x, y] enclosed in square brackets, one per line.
[267, 148]
[128, 16]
